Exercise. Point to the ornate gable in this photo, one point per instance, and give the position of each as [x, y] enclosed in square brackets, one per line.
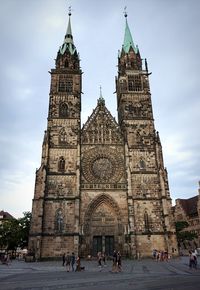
[101, 127]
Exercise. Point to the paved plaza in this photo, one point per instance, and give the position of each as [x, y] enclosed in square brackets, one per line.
[144, 274]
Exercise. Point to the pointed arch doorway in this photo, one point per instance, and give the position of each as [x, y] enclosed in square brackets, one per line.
[102, 227]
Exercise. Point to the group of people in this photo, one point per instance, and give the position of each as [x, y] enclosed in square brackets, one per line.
[193, 259]
[70, 260]
[117, 262]
[116, 258]
[160, 255]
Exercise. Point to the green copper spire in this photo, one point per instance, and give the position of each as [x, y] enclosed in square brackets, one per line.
[128, 41]
[68, 40]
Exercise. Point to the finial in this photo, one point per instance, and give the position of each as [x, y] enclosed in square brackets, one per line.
[125, 13]
[101, 100]
[70, 10]
[146, 65]
[100, 92]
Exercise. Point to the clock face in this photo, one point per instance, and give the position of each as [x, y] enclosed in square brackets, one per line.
[102, 165]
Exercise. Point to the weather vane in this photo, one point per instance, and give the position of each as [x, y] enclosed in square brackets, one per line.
[125, 13]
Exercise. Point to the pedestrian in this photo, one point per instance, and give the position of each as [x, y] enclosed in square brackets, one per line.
[114, 266]
[194, 253]
[99, 258]
[154, 253]
[73, 259]
[192, 263]
[63, 259]
[104, 258]
[158, 256]
[68, 261]
[119, 262]
[78, 264]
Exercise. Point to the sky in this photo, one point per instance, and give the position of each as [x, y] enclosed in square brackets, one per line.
[168, 35]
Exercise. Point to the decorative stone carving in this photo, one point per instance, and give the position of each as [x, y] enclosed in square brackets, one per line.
[99, 165]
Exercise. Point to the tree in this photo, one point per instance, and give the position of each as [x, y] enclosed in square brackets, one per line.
[183, 235]
[24, 227]
[14, 232]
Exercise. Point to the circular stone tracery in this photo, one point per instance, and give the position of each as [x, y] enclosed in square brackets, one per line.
[102, 166]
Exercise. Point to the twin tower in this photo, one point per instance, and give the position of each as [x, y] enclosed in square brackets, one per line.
[103, 186]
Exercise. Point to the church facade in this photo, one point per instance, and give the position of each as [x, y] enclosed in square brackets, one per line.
[103, 186]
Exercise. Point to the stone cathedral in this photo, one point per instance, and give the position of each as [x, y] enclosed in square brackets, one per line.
[102, 186]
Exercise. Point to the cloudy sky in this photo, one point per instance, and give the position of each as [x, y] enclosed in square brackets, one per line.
[168, 35]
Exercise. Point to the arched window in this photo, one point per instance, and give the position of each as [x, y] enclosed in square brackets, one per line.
[61, 164]
[146, 222]
[63, 136]
[59, 220]
[63, 110]
[66, 63]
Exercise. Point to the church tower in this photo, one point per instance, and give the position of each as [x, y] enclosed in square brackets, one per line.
[103, 186]
[149, 204]
[55, 211]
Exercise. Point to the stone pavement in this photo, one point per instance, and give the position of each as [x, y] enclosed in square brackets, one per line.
[144, 274]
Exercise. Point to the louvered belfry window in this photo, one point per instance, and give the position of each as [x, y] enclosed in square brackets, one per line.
[134, 83]
[65, 84]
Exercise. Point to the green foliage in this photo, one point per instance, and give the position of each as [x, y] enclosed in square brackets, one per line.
[14, 232]
[183, 235]
[180, 225]
[24, 227]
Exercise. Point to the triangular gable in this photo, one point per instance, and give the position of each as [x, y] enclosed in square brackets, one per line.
[101, 128]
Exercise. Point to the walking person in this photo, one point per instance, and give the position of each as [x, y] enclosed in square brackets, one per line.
[78, 264]
[104, 259]
[191, 260]
[73, 259]
[194, 253]
[99, 258]
[68, 261]
[63, 260]
[114, 266]
[119, 262]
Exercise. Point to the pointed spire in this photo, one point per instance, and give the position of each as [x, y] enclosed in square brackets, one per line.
[68, 40]
[101, 100]
[68, 35]
[128, 40]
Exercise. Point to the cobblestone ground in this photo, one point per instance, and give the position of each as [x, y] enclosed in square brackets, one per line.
[144, 274]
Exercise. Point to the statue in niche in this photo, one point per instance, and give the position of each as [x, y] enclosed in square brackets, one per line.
[61, 164]
[59, 221]
[63, 110]
[63, 136]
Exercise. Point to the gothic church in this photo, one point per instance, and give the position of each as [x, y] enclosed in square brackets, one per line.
[103, 186]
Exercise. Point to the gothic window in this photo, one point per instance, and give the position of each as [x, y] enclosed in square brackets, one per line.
[146, 222]
[59, 220]
[63, 136]
[123, 86]
[63, 110]
[134, 83]
[66, 63]
[142, 164]
[65, 83]
[61, 164]
[69, 86]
